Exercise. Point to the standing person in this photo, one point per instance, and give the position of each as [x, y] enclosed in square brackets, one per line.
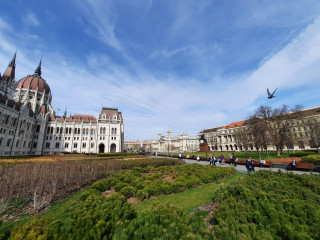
[231, 161]
[198, 158]
[214, 159]
[180, 156]
[210, 160]
[222, 159]
[234, 160]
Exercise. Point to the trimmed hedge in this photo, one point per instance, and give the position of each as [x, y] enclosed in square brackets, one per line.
[300, 154]
[315, 159]
[95, 217]
[162, 180]
[163, 222]
[269, 205]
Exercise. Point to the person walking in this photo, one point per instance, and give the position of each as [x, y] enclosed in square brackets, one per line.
[234, 160]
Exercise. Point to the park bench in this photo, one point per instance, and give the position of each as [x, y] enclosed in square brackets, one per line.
[256, 162]
[302, 166]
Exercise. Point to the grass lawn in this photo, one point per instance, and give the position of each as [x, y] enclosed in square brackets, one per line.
[189, 199]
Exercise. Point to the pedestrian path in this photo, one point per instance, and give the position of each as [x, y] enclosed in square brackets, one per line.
[243, 169]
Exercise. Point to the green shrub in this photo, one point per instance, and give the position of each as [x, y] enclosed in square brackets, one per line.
[269, 205]
[94, 218]
[300, 154]
[101, 185]
[163, 222]
[142, 195]
[128, 191]
[315, 158]
[119, 186]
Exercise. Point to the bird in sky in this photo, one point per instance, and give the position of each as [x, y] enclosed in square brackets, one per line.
[271, 95]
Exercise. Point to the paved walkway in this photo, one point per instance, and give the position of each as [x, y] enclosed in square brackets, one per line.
[243, 169]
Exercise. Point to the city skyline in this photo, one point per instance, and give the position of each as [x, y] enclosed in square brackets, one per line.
[179, 65]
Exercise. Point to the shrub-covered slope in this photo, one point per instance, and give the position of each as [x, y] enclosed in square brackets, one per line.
[269, 205]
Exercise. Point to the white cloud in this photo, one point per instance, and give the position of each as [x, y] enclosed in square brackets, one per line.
[31, 19]
[101, 15]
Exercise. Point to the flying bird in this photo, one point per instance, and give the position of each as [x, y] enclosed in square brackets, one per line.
[271, 95]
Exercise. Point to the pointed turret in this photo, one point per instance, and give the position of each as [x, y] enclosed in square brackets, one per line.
[9, 74]
[38, 70]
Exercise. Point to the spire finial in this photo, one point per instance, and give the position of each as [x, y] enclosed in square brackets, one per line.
[13, 61]
[38, 70]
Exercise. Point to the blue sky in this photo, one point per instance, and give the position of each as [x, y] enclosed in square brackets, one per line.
[179, 65]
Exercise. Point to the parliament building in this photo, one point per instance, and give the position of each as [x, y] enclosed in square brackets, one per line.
[29, 124]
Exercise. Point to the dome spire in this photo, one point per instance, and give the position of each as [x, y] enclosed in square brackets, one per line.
[38, 70]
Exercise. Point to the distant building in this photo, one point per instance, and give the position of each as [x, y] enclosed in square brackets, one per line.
[180, 143]
[29, 124]
[132, 146]
[303, 129]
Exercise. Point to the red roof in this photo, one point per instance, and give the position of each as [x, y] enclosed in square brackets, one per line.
[235, 124]
[109, 112]
[33, 82]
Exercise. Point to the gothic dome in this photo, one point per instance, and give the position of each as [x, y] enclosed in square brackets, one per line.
[34, 82]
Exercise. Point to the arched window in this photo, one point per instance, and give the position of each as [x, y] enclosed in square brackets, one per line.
[84, 131]
[84, 145]
[70, 130]
[58, 129]
[78, 130]
[104, 130]
[101, 130]
[61, 130]
[87, 130]
[115, 131]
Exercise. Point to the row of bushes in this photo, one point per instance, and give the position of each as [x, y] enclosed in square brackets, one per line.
[95, 217]
[38, 184]
[146, 182]
[301, 154]
[269, 205]
[315, 159]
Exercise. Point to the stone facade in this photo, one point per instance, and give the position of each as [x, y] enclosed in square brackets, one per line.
[226, 138]
[29, 125]
[180, 143]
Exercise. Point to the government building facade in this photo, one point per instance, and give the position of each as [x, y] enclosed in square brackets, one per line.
[302, 132]
[29, 124]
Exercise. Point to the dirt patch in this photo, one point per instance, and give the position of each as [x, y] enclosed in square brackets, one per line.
[168, 178]
[210, 208]
[108, 192]
[18, 213]
[133, 200]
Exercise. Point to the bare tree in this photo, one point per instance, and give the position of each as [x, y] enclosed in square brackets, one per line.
[242, 138]
[277, 124]
[313, 133]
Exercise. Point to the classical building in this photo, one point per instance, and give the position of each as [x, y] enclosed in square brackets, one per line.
[303, 130]
[132, 146]
[180, 143]
[29, 124]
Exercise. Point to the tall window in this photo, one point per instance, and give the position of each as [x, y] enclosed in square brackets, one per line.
[84, 145]
[57, 144]
[66, 145]
[87, 131]
[75, 145]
